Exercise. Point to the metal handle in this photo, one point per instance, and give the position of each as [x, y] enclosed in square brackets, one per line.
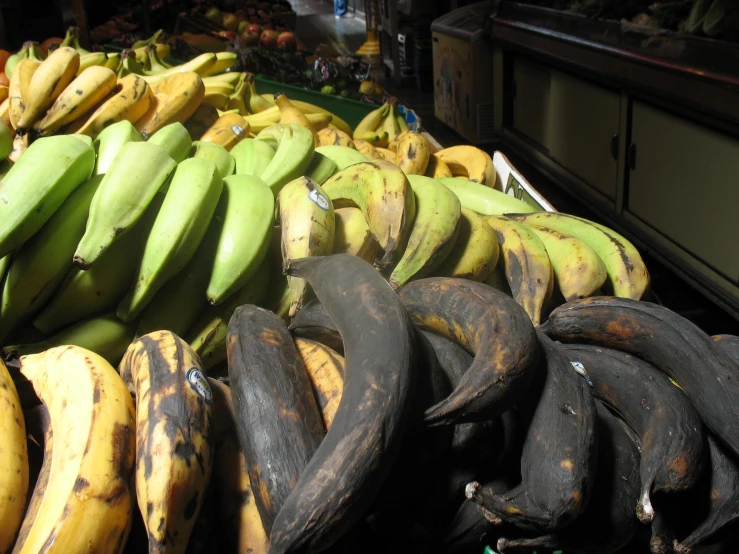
[632, 156]
[614, 147]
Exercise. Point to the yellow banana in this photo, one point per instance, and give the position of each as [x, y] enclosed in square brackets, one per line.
[372, 121]
[437, 169]
[228, 131]
[131, 99]
[92, 85]
[352, 235]
[174, 436]
[469, 162]
[385, 154]
[20, 145]
[5, 114]
[325, 370]
[475, 252]
[85, 500]
[412, 154]
[231, 78]
[332, 135]
[308, 109]
[224, 61]
[222, 87]
[368, 150]
[47, 83]
[257, 103]
[199, 65]
[290, 114]
[527, 265]
[201, 120]
[13, 461]
[18, 89]
[218, 100]
[175, 99]
[92, 59]
[3, 93]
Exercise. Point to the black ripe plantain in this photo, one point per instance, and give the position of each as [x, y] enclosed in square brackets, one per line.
[559, 452]
[278, 420]
[313, 322]
[489, 325]
[453, 359]
[666, 340]
[347, 471]
[673, 444]
[608, 523]
[729, 344]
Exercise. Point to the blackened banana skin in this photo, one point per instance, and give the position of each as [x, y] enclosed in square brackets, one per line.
[559, 454]
[673, 443]
[313, 322]
[453, 359]
[729, 344]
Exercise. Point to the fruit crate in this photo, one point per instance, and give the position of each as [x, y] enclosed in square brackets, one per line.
[351, 111]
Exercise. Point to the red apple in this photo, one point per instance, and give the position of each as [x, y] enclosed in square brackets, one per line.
[249, 38]
[255, 28]
[268, 38]
[286, 41]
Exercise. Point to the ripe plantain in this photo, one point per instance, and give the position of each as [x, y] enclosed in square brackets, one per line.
[175, 99]
[325, 369]
[228, 131]
[470, 163]
[475, 251]
[353, 236]
[412, 154]
[332, 135]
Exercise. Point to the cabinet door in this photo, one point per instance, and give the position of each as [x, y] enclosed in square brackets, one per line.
[684, 184]
[584, 122]
[531, 100]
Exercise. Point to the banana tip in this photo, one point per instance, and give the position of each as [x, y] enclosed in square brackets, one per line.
[80, 262]
[501, 544]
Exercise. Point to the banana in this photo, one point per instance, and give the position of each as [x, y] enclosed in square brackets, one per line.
[209, 333]
[175, 99]
[368, 150]
[40, 265]
[174, 436]
[5, 114]
[95, 59]
[353, 236]
[85, 293]
[257, 103]
[131, 65]
[390, 126]
[378, 139]
[412, 154]
[221, 87]
[325, 370]
[177, 232]
[437, 169]
[434, 232]
[29, 49]
[342, 156]
[294, 147]
[200, 121]
[113, 61]
[38, 184]
[109, 142]
[475, 251]
[47, 83]
[20, 145]
[228, 131]
[485, 200]
[18, 89]
[4, 264]
[321, 168]
[127, 189]
[232, 78]
[469, 162]
[92, 85]
[198, 65]
[86, 505]
[527, 265]
[224, 62]
[174, 139]
[3, 93]
[372, 121]
[627, 275]
[13, 461]
[225, 164]
[130, 100]
[248, 217]
[306, 219]
[106, 335]
[6, 140]
[261, 121]
[381, 190]
[218, 100]
[237, 99]
[155, 64]
[578, 270]
[332, 135]
[309, 109]
[252, 156]
[387, 154]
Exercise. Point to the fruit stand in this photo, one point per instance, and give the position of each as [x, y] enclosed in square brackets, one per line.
[243, 319]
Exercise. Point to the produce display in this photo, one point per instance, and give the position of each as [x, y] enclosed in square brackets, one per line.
[242, 325]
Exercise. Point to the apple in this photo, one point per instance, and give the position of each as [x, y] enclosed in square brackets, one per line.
[255, 28]
[249, 38]
[214, 14]
[268, 38]
[286, 41]
[242, 26]
[230, 21]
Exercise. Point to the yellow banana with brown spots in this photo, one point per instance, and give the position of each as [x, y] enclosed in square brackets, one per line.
[325, 369]
[83, 499]
[370, 151]
[476, 250]
[353, 236]
[174, 436]
[412, 154]
[437, 168]
[331, 135]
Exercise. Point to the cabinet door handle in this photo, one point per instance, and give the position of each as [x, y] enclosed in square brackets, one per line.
[632, 156]
[614, 147]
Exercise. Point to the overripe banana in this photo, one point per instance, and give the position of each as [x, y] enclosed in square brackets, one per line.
[109, 142]
[294, 147]
[252, 156]
[332, 135]
[475, 252]
[129, 186]
[174, 436]
[175, 99]
[306, 219]
[325, 369]
[381, 190]
[215, 153]
[412, 154]
[228, 131]
[353, 236]
[434, 232]
[368, 150]
[469, 162]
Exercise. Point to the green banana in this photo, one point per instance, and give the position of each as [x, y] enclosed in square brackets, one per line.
[5, 166]
[321, 168]
[434, 232]
[177, 232]
[113, 61]
[342, 156]
[138, 172]
[217, 154]
[37, 184]
[247, 211]
[485, 200]
[294, 149]
[100, 288]
[39, 266]
[252, 156]
[208, 334]
[92, 59]
[105, 335]
[4, 264]
[109, 142]
[174, 139]
[307, 229]
[6, 140]
[29, 49]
